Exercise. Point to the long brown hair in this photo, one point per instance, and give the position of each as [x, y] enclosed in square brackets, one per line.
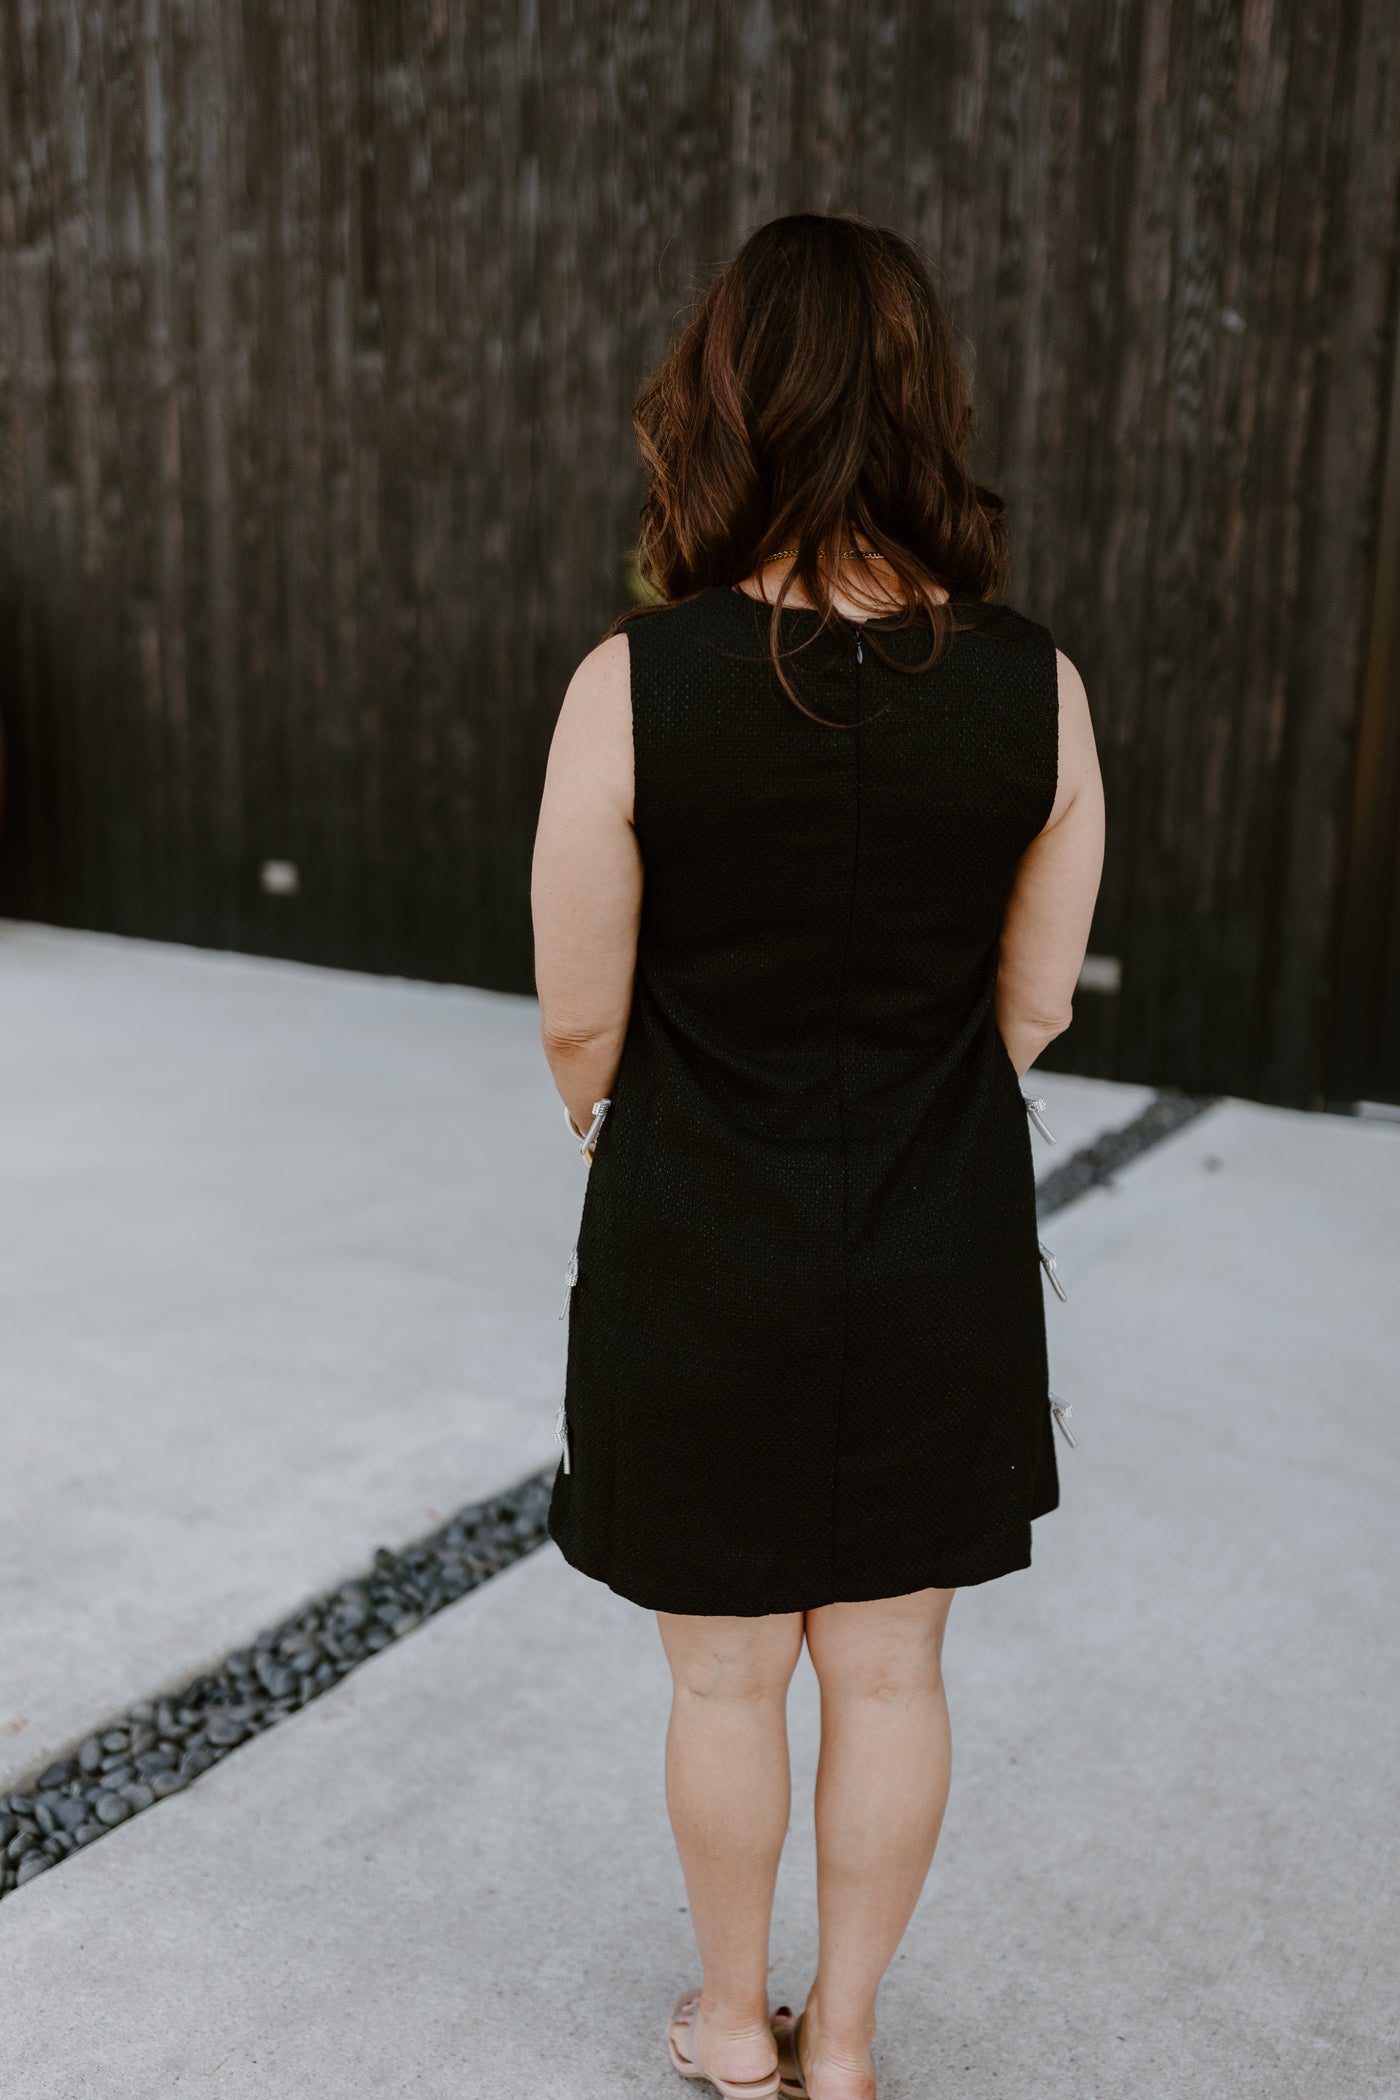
[812, 394]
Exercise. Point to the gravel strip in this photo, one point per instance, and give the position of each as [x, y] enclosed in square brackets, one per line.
[160, 1745]
[1094, 1165]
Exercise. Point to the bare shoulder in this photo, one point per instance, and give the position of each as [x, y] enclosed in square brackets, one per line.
[1078, 760]
[593, 735]
[602, 683]
[1074, 701]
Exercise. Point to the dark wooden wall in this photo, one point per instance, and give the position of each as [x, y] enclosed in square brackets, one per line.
[320, 322]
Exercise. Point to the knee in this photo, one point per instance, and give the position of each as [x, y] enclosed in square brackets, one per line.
[742, 1661]
[885, 1676]
[882, 1662]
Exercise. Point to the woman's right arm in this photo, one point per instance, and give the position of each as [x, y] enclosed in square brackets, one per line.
[1045, 933]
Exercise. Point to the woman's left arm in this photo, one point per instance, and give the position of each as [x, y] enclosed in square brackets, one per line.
[586, 882]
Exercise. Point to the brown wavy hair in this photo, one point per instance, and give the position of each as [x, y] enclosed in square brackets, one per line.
[813, 394]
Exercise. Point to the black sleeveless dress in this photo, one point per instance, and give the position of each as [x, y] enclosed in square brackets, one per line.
[806, 1349]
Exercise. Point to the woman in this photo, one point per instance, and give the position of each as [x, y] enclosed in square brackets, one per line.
[818, 851]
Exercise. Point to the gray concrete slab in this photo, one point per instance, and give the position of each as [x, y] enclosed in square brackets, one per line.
[1167, 1869]
[284, 1250]
[1079, 1110]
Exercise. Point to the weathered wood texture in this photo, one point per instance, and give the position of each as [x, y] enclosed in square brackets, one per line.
[320, 321]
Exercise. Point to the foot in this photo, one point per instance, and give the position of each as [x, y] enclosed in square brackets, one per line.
[736, 2050]
[817, 2066]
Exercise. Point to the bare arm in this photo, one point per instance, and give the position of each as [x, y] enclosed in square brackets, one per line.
[1045, 932]
[586, 882]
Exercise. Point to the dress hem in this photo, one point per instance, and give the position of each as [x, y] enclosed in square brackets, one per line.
[889, 1583]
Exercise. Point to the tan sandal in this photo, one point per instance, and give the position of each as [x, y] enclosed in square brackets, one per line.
[677, 2033]
[791, 2084]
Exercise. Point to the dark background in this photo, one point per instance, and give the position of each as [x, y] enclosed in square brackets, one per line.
[320, 323]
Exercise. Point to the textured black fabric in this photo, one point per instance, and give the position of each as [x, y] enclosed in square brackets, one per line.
[806, 1352]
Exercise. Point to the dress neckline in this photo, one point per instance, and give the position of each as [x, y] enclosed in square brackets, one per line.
[811, 612]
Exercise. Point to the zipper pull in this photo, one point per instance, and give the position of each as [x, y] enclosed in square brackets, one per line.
[1033, 1110]
[561, 1431]
[1059, 1411]
[1047, 1262]
[570, 1279]
[589, 1136]
[860, 654]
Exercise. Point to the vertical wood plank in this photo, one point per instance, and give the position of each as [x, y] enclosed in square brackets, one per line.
[320, 324]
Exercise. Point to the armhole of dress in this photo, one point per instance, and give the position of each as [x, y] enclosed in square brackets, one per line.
[636, 655]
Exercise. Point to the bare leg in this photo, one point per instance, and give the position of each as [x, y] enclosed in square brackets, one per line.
[728, 1790]
[882, 1786]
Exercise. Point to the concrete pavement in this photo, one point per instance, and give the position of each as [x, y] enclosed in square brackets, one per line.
[284, 1250]
[1167, 1869]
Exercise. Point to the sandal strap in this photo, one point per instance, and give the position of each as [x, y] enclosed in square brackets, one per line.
[682, 2020]
[795, 2087]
